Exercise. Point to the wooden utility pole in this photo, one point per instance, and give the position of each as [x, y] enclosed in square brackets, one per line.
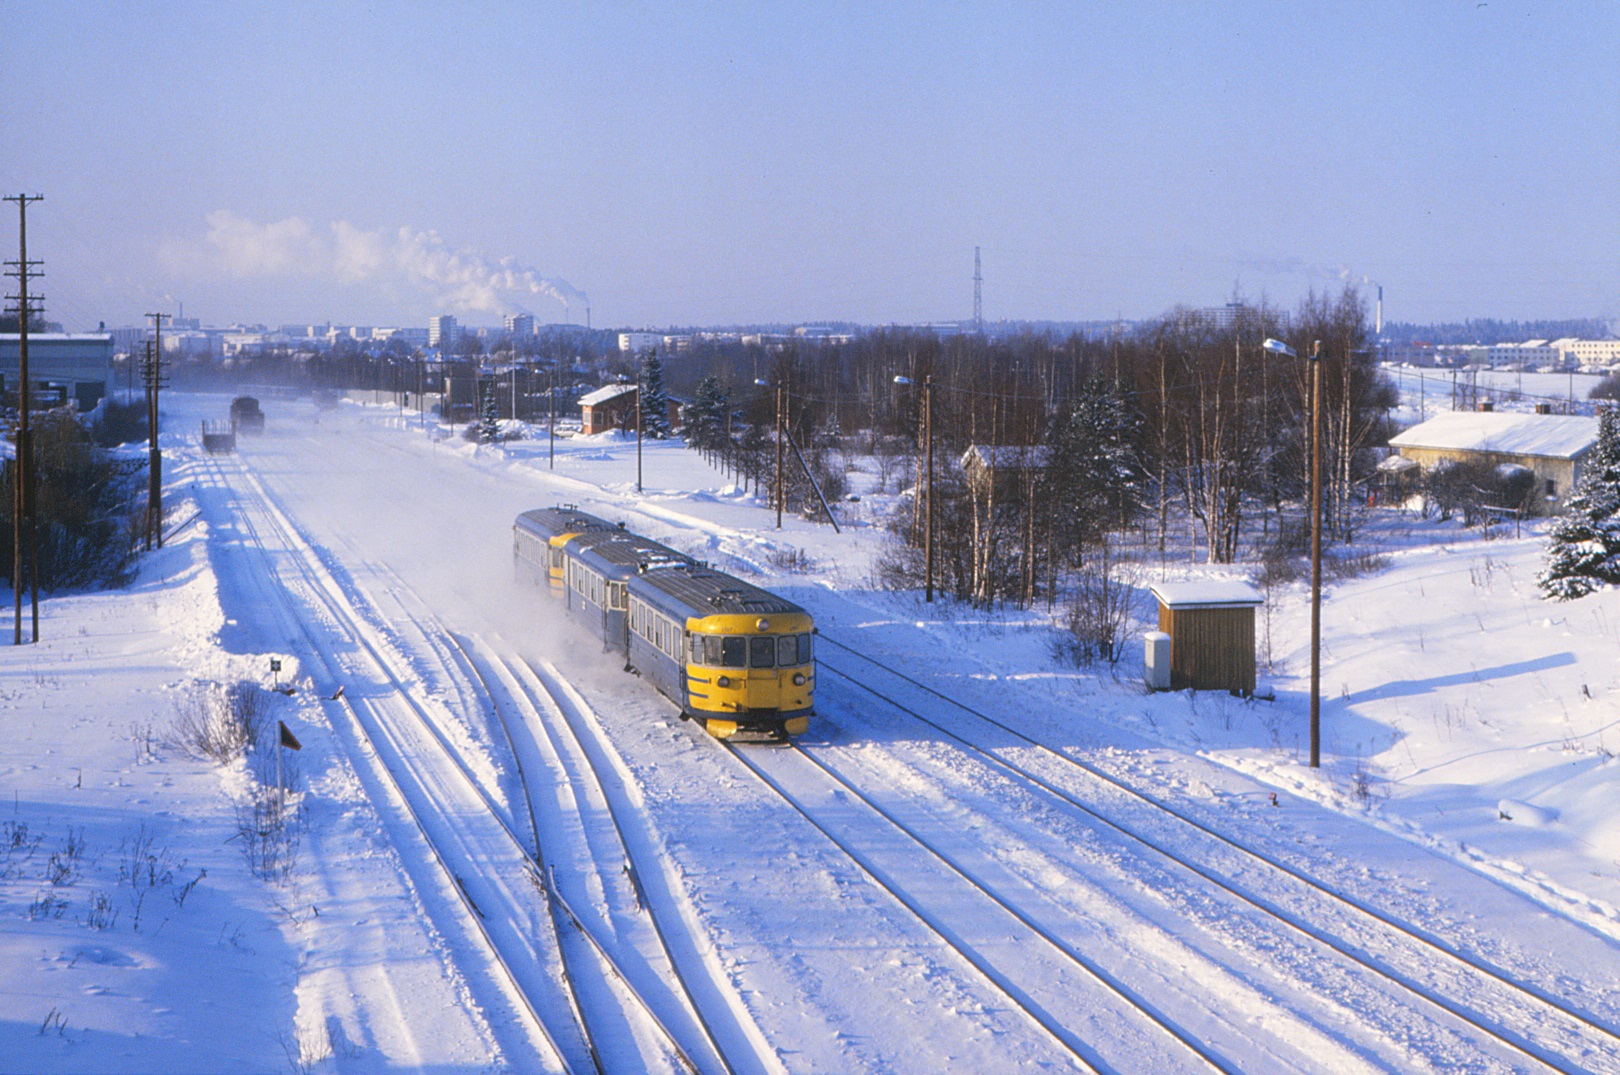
[154, 466]
[779, 445]
[25, 491]
[1316, 555]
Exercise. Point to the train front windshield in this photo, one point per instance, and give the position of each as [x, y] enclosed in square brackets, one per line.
[761, 651]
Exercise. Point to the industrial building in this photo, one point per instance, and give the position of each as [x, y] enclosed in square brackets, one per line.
[63, 366]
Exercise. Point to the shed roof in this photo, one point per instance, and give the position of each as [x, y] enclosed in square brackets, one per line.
[602, 395]
[1558, 436]
[1206, 593]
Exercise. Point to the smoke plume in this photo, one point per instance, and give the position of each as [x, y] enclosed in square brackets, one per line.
[462, 280]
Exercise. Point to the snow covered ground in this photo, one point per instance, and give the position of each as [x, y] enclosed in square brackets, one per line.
[1468, 790]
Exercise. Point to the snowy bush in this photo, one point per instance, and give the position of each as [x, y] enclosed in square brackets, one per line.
[218, 723]
[264, 833]
[144, 868]
[1099, 612]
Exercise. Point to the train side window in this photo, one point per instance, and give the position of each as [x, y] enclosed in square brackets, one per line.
[804, 649]
[762, 652]
[556, 556]
[734, 652]
[616, 595]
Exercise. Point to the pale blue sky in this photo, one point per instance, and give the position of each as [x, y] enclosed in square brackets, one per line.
[717, 163]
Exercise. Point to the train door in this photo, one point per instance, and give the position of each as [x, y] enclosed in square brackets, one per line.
[764, 685]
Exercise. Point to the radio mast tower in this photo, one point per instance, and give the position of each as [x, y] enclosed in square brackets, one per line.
[978, 295]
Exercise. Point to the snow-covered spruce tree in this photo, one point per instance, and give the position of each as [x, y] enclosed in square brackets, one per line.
[654, 400]
[706, 417]
[1583, 554]
[489, 425]
[1093, 480]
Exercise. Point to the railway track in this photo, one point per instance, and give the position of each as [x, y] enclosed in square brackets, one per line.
[601, 1017]
[492, 670]
[903, 883]
[537, 711]
[390, 731]
[1584, 1040]
[545, 721]
[540, 704]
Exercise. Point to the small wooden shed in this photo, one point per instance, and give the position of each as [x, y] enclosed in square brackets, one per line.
[1211, 629]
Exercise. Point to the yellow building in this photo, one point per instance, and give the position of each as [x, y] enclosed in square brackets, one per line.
[1552, 446]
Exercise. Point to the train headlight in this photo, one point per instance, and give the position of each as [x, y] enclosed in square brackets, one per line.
[763, 624]
[798, 679]
[723, 681]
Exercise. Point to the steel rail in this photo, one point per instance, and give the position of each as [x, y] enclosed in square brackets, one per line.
[571, 705]
[474, 913]
[440, 637]
[1507, 1037]
[547, 871]
[1020, 999]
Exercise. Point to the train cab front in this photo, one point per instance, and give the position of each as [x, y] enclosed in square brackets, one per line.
[752, 677]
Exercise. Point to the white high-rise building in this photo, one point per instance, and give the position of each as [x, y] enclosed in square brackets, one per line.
[520, 325]
[640, 342]
[443, 332]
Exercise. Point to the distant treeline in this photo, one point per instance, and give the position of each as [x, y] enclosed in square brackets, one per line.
[1488, 330]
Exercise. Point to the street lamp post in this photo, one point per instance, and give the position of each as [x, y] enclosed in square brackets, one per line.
[928, 454]
[638, 437]
[1280, 348]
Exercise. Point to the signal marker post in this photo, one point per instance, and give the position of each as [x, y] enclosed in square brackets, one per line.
[289, 741]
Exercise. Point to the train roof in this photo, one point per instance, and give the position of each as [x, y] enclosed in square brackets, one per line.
[619, 554]
[695, 590]
[565, 519]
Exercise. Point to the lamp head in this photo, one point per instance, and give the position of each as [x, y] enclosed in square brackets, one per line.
[902, 380]
[1277, 347]
[762, 382]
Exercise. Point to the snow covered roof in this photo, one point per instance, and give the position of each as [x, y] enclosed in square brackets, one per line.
[1206, 593]
[602, 395]
[1559, 436]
